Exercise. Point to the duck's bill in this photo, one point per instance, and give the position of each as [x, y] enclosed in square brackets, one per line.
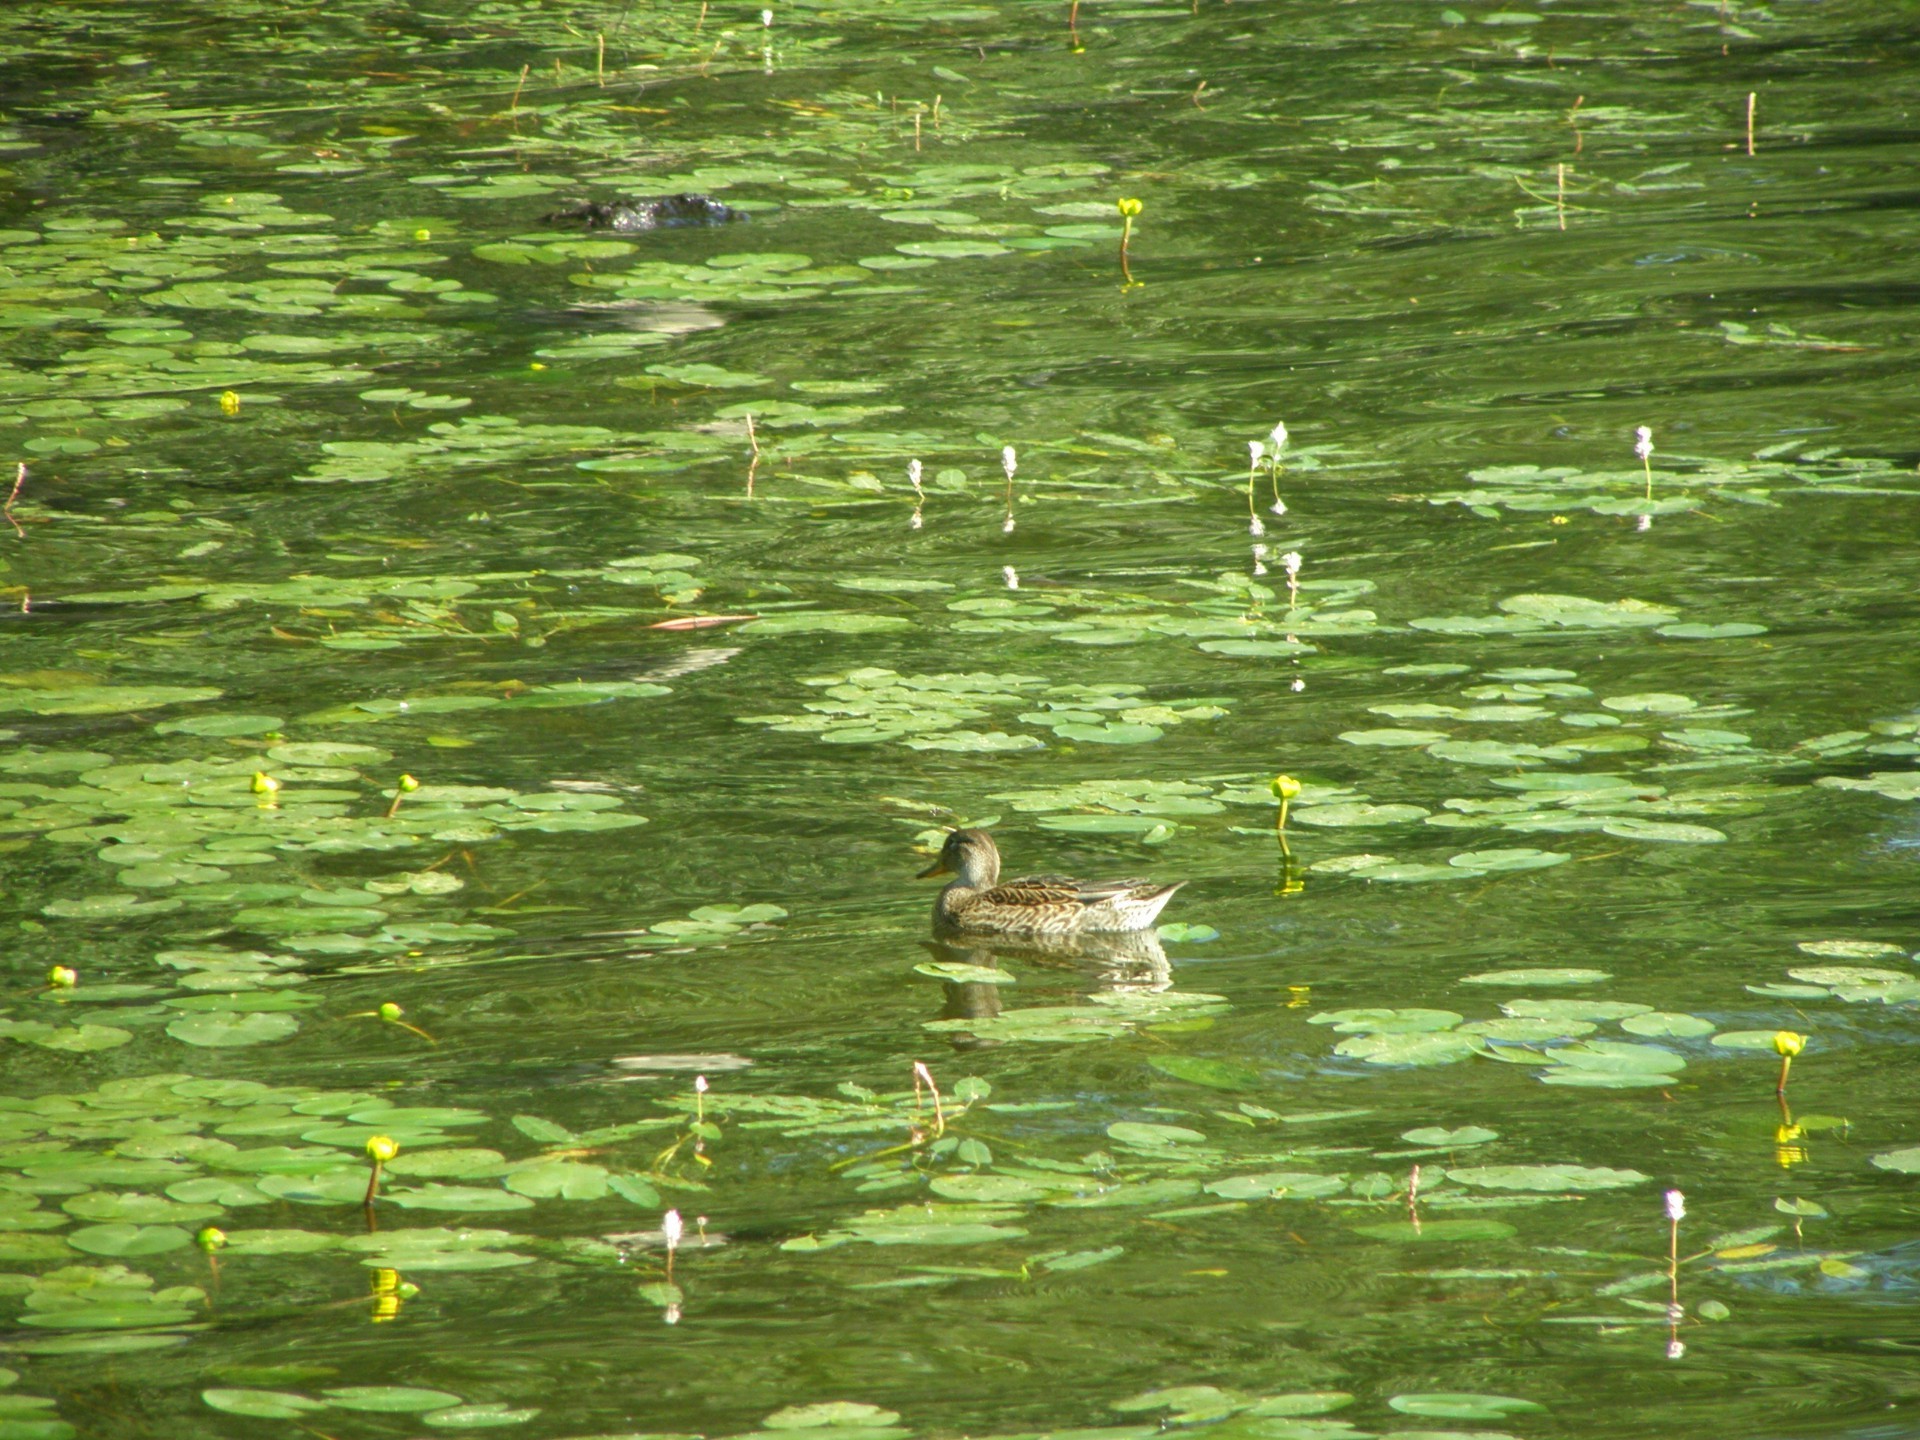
[939, 867]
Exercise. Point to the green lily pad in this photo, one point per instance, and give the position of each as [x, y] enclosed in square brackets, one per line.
[1658, 1023]
[1358, 813]
[229, 1030]
[1440, 1137]
[1215, 1074]
[261, 1404]
[834, 1414]
[477, 1417]
[122, 1239]
[1456, 1406]
[1556, 1178]
[959, 973]
[389, 1399]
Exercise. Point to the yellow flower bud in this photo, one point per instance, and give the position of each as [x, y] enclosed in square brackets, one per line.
[265, 784]
[211, 1238]
[390, 1011]
[382, 1148]
[409, 784]
[1788, 1043]
[1284, 787]
[1130, 208]
[63, 977]
[229, 403]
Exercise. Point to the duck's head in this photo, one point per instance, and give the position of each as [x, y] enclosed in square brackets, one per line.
[969, 854]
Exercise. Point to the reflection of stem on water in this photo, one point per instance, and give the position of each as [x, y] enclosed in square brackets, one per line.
[753, 440]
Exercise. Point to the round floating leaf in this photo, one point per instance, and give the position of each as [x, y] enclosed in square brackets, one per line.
[1659, 1023]
[1310, 1402]
[1577, 612]
[1577, 1178]
[1651, 703]
[835, 1413]
[1110, 733]
[1632, 827]
[1618, 1055]
[1358, 813]
[1408, 1049]
[1906, 1162]
[1215, 1074]
[1134, 1132]
[1277, 1185]
[1256, 649]
[959, 973]
[1383, 1022]
[1745, 1040]
[1515, 858]
[559, 1179]
[1850, 949]
[261, 1404]
[475, 1417]
[1572, 1009]
[1393, 738]
[1691, 630]
[1551, 975]
[1181, 933]
[1452, 1406]
[992, 1189]
[224, 1031]
[279, 1242]
[125, 1240]
[390, 1399]
[221, 726]
[1414, 874]
[1528, 1032]
[1850, 976]
[1442, 1138]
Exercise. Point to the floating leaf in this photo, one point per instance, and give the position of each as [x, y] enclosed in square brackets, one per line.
[1215, 1074]
[1549, 975]
[223, 1031]
[262, 1404]
[1455, 1406]
[389, 1399]
[1575, 1178]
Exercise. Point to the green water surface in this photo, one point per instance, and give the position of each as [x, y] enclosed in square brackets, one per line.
[342, 463]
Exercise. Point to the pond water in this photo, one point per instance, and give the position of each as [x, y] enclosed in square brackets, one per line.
[343, 464]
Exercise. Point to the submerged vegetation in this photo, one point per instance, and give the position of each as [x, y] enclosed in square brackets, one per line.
[476, 687]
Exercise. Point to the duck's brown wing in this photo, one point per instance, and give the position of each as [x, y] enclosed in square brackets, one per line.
[1031, 890]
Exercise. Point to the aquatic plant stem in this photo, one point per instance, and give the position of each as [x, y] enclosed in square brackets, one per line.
[1786, 1044]
[1753, 98]
[19, 479]
[753, 439]
[1129, 207]
[513, 105]
[380, 1149]
[922, 1073]
[406, 786]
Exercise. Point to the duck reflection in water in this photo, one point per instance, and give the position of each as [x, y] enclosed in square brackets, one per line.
[1126, 963]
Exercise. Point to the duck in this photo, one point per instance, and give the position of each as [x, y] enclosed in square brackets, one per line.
[978, 902]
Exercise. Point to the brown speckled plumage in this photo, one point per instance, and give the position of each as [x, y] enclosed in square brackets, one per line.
[978, 902]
